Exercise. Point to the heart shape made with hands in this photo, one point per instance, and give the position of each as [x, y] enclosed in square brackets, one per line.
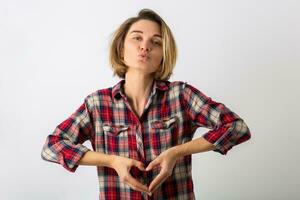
[160, 169]
[154, 171]
[144, 177]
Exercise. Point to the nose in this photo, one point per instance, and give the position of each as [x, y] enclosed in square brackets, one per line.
[145, 46]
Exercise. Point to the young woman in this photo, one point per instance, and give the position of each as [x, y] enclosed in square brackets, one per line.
[141, 129]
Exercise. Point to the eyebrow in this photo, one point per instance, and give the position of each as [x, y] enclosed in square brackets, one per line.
[137, 31]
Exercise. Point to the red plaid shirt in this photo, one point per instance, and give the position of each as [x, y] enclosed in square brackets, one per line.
[171, 116]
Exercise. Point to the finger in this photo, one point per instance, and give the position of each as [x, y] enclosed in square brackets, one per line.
[139, 165]
[136, 185]
[159, 179]
[152, 164]
[154, 187]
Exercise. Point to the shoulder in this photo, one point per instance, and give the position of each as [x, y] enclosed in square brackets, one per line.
[100, 95]
[182, 86]
[175, 85]
[187, 90]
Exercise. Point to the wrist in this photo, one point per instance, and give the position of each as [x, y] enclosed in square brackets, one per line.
[111, 159]
[178, 151]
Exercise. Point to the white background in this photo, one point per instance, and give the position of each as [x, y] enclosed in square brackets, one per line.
[244, 54]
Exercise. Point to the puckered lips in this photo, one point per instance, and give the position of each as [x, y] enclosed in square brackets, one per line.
[143, 56]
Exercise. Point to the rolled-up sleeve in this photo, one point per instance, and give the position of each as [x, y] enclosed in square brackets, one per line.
[227, 129]
[64, 146]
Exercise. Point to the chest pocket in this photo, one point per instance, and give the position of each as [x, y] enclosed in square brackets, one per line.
[116, 139]
[164, 134]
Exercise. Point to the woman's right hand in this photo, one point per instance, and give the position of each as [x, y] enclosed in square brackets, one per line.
[122, 165]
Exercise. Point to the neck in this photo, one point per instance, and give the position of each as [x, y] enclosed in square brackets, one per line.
[137, 87]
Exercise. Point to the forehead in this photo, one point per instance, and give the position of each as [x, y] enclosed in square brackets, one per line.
[146, 27]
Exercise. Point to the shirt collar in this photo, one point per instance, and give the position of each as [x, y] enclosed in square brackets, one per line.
[117, 90]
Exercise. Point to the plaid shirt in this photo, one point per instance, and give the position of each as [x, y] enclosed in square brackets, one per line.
[171, 116]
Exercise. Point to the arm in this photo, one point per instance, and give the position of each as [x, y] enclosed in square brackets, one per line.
[227, 129]
[65, 145]
[195, 146]
[122, 165]
[93, 158]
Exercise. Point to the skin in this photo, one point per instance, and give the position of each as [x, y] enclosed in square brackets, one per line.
[143, 37]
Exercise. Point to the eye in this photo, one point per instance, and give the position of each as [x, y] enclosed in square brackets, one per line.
[157, 43]
[137, 38]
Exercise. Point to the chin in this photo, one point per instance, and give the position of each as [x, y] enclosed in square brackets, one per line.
[143, 70]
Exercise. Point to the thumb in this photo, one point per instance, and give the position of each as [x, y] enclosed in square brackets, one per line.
[152, 164]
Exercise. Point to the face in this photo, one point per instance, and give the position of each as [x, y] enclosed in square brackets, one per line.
[143, 47]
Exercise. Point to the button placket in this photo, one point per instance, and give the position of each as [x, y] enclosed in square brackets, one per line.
[139, 142]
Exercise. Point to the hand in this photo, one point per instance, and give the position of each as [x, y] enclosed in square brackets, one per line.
[122, 166]
[166, 160]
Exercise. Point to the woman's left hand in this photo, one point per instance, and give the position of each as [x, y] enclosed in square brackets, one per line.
[166, 160]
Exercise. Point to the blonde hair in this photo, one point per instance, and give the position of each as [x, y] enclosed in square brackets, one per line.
[168, 44]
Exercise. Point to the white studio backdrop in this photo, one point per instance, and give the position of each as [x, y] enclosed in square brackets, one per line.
[244, 54]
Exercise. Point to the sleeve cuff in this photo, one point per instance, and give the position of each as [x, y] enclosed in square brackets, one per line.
[72, 165]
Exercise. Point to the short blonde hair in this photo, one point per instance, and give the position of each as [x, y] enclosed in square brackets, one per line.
[168, 44]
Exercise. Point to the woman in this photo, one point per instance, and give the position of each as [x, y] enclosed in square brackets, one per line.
[141, 129]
